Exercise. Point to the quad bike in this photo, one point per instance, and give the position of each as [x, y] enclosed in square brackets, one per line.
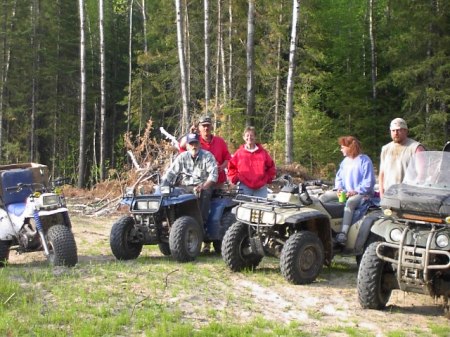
[33, 215]
[297, 227]
[171, 218]
[415, 227]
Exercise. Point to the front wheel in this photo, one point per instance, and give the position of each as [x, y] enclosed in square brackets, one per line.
[302, 258]
[185, 239]
[62, 246]
[373, 292]
[236, 248]
[4, 252]
[123, 241]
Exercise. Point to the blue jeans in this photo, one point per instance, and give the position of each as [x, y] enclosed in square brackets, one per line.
[260, 192]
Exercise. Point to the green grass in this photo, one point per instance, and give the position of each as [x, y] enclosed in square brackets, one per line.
[155, 296]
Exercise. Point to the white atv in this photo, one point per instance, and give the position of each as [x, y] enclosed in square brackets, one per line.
[33, 215]
[297, 227]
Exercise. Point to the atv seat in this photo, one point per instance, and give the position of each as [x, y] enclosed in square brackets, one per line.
[336, 209]
[10, 179]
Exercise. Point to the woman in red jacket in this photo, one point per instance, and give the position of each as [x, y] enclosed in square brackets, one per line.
[251, 166]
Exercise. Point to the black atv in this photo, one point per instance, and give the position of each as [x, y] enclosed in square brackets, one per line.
[171, 218]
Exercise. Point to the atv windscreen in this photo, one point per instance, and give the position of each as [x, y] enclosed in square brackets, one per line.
[426, 186]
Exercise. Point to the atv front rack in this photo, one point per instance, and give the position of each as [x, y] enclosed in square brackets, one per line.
[242, 198]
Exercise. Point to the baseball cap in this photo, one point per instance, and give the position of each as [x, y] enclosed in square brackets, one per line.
[191, 138]
[398, 123]
[205, 120]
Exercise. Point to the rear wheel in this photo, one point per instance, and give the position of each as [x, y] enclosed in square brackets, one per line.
[4, 252]
[122, 240]
[185, 239]
[302, 258]
[373, 291]
[236, 248]
[62, 246]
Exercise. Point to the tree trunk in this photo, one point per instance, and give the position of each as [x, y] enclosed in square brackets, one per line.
[130, 64]
[373, 53]
[102, 93]
[230, 50]
[290, 86]
[5, 65]
[278, 78]
[222, 52]
[182, 61]
[82, 148]
[187, 50]
[206, 38]
[250, 62]
[34, 85]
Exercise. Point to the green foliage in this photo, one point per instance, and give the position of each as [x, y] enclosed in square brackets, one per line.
[334, 90]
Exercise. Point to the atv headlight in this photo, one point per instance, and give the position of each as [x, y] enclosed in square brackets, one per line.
[165, 190]
[442, 240]
[396, 235]
[243, 214]
[387, 212]
[269, 218]
[151, 206]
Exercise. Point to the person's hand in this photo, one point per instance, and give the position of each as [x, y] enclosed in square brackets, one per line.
[198, 188]
[351, 193]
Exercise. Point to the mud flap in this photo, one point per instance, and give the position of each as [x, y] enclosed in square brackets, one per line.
[256, 246]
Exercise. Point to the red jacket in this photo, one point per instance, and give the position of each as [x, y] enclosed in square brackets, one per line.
[254, 169]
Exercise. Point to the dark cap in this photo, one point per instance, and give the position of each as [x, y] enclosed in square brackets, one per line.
[192, 138]
[205, 120]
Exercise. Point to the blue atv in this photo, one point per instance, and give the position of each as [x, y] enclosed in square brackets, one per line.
[171, 218]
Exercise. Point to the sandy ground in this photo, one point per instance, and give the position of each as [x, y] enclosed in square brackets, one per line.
[331, 301]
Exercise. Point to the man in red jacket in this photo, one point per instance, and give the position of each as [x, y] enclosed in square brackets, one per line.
[251, 166]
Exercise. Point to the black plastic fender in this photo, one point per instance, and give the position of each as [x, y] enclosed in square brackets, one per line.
[381, 227]
[312, 220]
[367, 224]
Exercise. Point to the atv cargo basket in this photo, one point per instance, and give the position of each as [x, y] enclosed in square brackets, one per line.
[25, 173]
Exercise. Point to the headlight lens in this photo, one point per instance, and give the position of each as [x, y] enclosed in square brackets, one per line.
[165, 190]
[269, 218]
[151, 205]
[396, 234]
[442, 240]
[243, 214]
[387, 212]
[50, 200]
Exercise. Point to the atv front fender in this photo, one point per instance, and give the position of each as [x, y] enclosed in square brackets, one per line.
[314, 221]
[381, 227]
[366, 225]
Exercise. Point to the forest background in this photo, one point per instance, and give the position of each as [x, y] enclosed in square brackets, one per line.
[79, 80]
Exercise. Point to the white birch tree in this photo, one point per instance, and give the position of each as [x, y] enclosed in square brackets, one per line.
[290, 86]
[82, 146]
[250, 62]
[182, 62]
[102, 92]
[206, 39]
